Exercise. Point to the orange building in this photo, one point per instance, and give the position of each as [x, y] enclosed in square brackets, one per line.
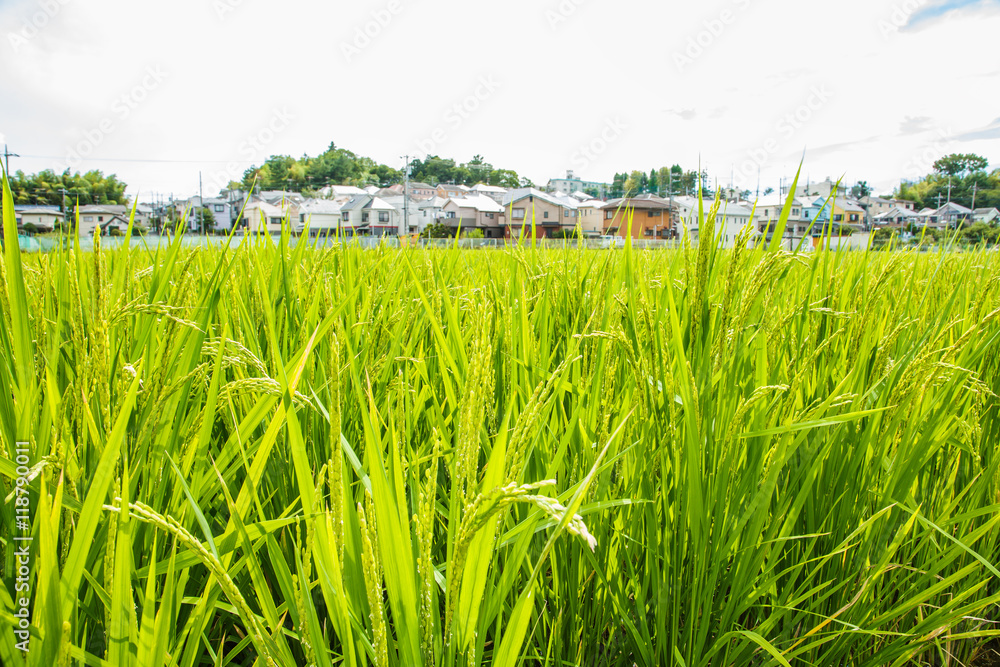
[652, 217]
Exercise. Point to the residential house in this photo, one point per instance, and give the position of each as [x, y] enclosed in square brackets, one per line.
[449, 190]
[647, 216]
[927, 217]
[494, 192]
[220, 209]
[897, 218]
[430, 211]
[849, 213]
[530, 208]
[590, 216]
[322, 216]
[475, 212]
[281, 198]
[109, 217]
[419, 190]
[952, 214]
[408, 215]
[730, 219]
[821, 189]
[38, 218]
[799, 221]
[262, 216]
[572, 184]
[988, 215]
[366, 215]
[876, 206]
[344, 192]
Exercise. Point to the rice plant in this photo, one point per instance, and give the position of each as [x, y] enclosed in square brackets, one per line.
[293, 454]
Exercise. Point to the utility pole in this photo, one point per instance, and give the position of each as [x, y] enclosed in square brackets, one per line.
[949, 189]
[975, 186]
[406, 194]
[7, 155]
[201, 203]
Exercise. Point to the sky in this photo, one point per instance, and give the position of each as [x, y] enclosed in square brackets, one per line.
[155, 93]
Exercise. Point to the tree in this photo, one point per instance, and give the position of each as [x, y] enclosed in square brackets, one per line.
[51, 189]
[861, 189]
[618, 185]
[437, 230]
[768, 191]
[634, 185]
[958, 164]
[653, 182]
[205, 219]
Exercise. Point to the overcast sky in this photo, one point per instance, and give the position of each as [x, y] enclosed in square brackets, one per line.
[871, 90]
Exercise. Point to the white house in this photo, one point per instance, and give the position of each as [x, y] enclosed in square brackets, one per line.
[323, 216]
[987, 215]
[38, 218]
[408, 214]
[340, 192]
[494, 192]
[430, 211]
[369, 216]
[260, 216]
[475, 212]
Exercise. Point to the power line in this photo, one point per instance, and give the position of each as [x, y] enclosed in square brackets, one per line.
[114, 159]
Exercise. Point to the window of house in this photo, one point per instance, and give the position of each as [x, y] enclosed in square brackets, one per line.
[795, 211]
[383, 216]
[518, 214]
[100, 218]
[88, 218]
[219, 208]
[275, 221]
[302, 217]
[490, 216]
[854, 217]
[346, 216]
[546, 214]
[608, 215]
[449, 214]
[364, 217]
[838, 217]
[652, 214]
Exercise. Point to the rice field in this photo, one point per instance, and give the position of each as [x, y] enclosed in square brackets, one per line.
[274, 455]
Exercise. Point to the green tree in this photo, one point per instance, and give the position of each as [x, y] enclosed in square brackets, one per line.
[52, 189]
[958, 164]
[437, 230]
[861, 189]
